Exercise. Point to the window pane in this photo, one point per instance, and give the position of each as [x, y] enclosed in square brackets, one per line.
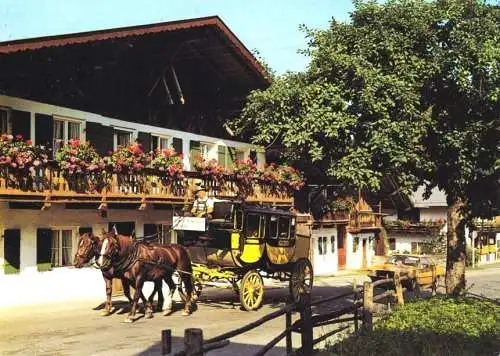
[164, 143]
[54, 259]
[332, 243]
[273, 227]
[252, 225]
[154, 141]
[58, 130]
[320, 245]
[122, 138]
[73, 130]
[240, 155]
[284, 228]
[67, 243]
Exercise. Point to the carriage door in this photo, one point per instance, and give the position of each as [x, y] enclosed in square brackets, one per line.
[341, 247]
[12, 251]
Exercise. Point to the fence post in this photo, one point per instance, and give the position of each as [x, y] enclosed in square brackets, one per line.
[307, 327]
[288, 325]
[399, 289]
[166, 341]
[193, 342]
[367, 307]
[434, 281]
[356, 299]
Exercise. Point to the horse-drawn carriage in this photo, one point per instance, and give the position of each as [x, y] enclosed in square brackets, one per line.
[241, 243]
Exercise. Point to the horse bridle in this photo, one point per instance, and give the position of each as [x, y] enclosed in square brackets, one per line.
[115, 247]
[93, 248]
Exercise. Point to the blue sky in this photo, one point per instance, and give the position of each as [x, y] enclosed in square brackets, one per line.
[270, 26]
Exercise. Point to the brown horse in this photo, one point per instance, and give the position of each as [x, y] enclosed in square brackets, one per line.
[140, 262]
[89, 246]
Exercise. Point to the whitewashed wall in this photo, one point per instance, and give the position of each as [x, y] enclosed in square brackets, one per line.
[42, 108]
[61, 283]
[354, 260]
[327, 263]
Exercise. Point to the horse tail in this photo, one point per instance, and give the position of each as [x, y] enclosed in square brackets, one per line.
[185, 268]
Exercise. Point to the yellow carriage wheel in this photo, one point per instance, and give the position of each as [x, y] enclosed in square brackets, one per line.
[251, 290]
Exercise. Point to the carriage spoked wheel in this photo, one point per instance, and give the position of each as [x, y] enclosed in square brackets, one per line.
[301, 280]
[251, 290]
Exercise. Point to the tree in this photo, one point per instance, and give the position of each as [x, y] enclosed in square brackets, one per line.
[406, 89]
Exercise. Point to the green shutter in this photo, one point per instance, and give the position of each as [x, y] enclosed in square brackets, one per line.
[177, 144]
[43, 249]
[194, 150]
[231, 156]
[221, 155]
[12, 248]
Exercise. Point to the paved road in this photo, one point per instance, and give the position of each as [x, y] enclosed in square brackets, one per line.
[77, 329]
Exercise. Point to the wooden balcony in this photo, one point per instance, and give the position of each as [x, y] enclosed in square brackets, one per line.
[420, 228]
[363, 218]
[48, 185]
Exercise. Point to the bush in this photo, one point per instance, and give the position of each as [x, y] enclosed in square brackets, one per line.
[437, 326]
[468, 256]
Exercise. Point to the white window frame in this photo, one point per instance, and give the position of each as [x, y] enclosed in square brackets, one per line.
[7, 112]
[117, 130]
[74, 241]
[65, 139]
[205, 148]
[158, 139]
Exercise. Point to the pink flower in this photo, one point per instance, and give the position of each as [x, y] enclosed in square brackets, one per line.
[19, 137]
[13, 165]
[29, 142]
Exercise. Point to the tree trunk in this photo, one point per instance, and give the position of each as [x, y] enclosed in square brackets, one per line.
[455, 257]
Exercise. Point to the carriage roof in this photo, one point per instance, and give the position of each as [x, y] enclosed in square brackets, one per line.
[268, 211]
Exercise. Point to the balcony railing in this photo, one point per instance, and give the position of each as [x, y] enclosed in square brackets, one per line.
[50, 185]
[365, 220]
[407, 227]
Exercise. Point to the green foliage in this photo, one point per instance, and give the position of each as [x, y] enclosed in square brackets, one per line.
[407, 88]
[436, 326]
[468, 256]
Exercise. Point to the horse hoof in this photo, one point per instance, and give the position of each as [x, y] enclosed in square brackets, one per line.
[149, 315]
[105, 313]
[185, 313]
[128, 320]
[167, 312]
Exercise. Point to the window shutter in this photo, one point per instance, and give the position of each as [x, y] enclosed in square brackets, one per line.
[21, 123]
[194, 151]
[177, 144]
[43, 249]
[231, 157]
[12, 251]
[144, 139]
[101, 137]
[44, 130]
[221, 155]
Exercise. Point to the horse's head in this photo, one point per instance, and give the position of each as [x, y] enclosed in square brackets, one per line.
[88, 247]
[110, 248]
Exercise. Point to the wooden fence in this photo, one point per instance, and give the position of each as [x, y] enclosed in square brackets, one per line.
[360, 313]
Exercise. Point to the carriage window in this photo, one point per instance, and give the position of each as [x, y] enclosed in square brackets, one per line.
[238, 220]
[253, 225]
[273, 227]
[284, 228]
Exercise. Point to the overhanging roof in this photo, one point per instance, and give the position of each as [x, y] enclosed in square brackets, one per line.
[151, 73]
[115, 33]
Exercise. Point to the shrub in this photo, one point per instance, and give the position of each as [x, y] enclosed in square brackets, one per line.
[437, 326]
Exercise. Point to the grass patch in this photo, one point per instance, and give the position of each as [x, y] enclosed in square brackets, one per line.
[436, 326]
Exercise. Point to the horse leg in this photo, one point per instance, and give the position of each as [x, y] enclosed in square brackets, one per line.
[107, 303]
[139, 283]
[171, 290]
[161, 300]
[187, 279]
[149, 308]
